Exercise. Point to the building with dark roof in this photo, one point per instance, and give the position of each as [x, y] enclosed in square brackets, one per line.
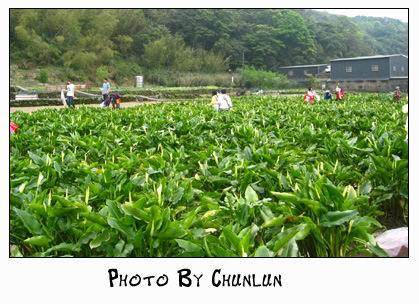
[302, 72]
[382, 67]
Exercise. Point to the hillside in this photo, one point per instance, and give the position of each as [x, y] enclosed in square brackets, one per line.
[88, 44]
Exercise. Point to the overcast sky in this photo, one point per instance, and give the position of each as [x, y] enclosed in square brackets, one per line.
[400, 14]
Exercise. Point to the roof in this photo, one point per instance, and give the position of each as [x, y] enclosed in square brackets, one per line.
[303, 66]
[369, 57]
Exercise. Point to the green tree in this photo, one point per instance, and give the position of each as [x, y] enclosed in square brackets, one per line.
[42, 76]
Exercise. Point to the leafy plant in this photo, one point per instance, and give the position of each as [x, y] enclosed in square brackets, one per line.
[273, 177]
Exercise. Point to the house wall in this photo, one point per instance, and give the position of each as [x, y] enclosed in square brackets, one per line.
[299, 72]
[361, 69]
[399, 66]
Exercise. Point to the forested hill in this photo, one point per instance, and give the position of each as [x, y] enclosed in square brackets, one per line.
[195, 40]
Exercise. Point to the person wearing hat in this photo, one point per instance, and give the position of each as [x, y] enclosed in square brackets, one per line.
[70, 94]
[397, 94]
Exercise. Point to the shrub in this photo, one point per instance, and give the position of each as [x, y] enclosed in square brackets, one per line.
[102, 72]
[42, 76]
[251, 78]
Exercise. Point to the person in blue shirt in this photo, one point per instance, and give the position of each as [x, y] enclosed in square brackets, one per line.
[106, 88]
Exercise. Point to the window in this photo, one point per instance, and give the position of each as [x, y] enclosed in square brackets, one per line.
[394, 68]
[291, 72]
[402, 68]
[348, 69]
[374, 68]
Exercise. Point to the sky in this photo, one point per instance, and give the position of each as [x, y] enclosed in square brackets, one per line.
[401, 14]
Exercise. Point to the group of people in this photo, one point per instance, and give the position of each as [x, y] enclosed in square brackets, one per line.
[311, 96]
[108, 98]
[221, 101]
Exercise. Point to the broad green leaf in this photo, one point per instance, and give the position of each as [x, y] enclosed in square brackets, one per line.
[291, 249]
[231, 237]
[275, 222]
[263, 251]
[118, 225]
[365, 188]
[64, 247]
[29, 221]
[39, 240]
[99, 239]
[251, 195]
[132, 210]
[188, 246]
[173, 231]
[336, 218]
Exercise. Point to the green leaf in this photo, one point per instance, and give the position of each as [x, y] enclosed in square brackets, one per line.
[177, 196]
[365, 188]
[118, 225]
[36, 159]
[275, 222]
[40, 240]
[263, 251]
[173, 231]
[94, 218]
[29, 221]
[291, 249]
[251, 195]
[283, 238]
[65, 247]
[336, 218]
[99, 239]
[298, 232]
[286, 197]
[135, 212]
[231, 237]
[15, 252]
[188, 246]
[292, 198]
[377, 250]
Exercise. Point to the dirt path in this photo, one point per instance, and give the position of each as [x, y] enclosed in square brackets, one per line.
[123, 105]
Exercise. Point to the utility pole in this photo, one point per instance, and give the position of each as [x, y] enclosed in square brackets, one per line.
[243, 59]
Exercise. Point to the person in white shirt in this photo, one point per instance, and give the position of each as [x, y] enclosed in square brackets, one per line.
[70, 94]
[224, 101]
[106, 88]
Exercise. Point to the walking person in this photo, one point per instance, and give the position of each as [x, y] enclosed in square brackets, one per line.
[106, 88]
[70, 94]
